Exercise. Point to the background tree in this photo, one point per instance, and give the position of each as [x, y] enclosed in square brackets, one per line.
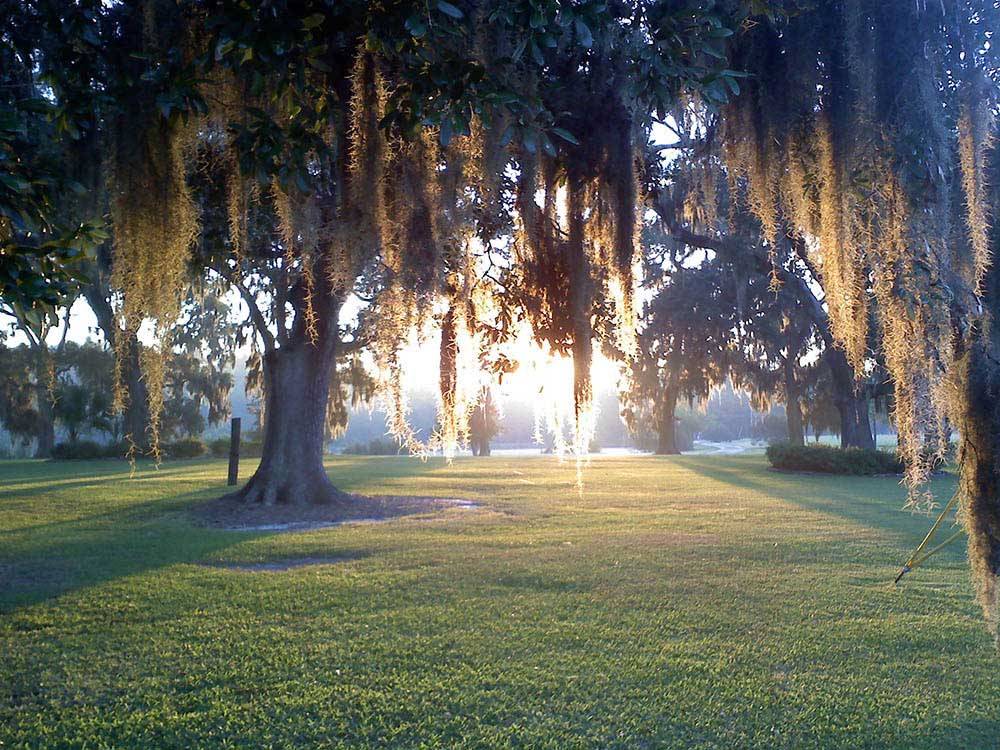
[864, 132]
[132, 393]
[699, 203]
[39, 364]
[330, 137]
[684, 349]
[93, 368]
[819, 411]
[19, 407]
[484, 424]
[778, 346]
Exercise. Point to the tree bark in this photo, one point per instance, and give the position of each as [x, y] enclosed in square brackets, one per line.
[135, 420]
[793, 406]
[979, 468]
[666, 444]
[46, 440]
[793, 417]
[979, 451]
[855, 425]
[296, 391]
[480, 445]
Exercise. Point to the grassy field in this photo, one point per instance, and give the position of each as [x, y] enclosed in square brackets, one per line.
[678, 602]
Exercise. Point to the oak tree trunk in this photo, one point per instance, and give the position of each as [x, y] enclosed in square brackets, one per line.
[46, 440]
[855, 425]
[793, 406]
[480, 446]
[979, 451]
[135, 420]
[296, 390]
[666, 444]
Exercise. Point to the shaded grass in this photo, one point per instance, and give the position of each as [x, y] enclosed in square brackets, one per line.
[676, 602]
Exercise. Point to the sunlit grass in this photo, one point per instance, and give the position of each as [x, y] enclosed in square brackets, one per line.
[678, 602]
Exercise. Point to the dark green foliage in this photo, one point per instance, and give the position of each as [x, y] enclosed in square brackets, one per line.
[42, 245]
[829, 460]
[218, 447]
[80, 450]
[385, 446]
[86, 450]
[249, 447]
[185, 448]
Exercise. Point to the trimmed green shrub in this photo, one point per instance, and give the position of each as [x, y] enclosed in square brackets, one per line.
[219, 447]
[82, 450]
[116, 450]
[377, 447]
[826, 459]
[248, 448]
[185, 448]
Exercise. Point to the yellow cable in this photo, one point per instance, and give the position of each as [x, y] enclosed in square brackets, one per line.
[910, 564]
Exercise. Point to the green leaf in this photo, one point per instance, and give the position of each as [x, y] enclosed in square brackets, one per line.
[583, 33]
[536, 53]
[530, 142]
[566, 135]
[446, 131]
[449, 10]
[311, 22]
[416, 26]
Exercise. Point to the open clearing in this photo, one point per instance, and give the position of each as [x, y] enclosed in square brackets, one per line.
[698, 601]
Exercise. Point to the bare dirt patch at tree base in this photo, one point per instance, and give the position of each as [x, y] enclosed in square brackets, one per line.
[235, 515]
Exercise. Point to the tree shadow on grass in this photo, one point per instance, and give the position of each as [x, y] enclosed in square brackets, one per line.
[58, 477]
[873, 502]
[48, 559]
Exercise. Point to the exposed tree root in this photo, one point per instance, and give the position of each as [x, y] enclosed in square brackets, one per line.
[270, 489]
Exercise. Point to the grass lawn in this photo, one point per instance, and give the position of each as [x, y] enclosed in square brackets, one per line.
[698, 601]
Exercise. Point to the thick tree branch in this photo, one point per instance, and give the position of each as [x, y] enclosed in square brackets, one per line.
[256, 316]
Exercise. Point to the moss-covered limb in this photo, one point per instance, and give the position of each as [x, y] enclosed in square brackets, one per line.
[979, 458]
[977, 396]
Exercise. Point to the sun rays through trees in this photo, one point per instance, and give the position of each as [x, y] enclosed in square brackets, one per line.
[363, 174]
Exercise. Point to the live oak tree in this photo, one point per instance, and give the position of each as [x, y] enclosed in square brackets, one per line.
[381, 136]
[684, 349]
[778, 335]
[865, 133]
[33, 371]
[861, 133]
[774, 287]
[484, 423]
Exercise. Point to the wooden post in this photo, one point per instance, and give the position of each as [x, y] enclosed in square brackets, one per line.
[234, 452]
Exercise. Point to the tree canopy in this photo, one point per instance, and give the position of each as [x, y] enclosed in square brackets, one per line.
[482, 167]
